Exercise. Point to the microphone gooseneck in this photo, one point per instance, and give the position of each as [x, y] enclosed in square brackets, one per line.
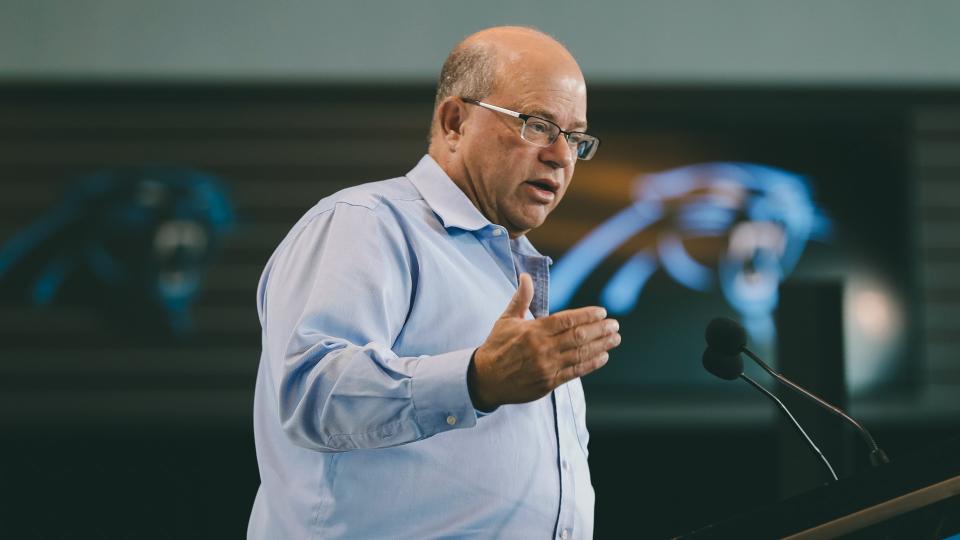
[796, 424]
[727, 333]
[730, 367]
[877, 455]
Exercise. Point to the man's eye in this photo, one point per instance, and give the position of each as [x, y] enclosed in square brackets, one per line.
[538, 127]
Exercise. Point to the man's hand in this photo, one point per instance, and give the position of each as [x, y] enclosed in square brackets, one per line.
[523, 360]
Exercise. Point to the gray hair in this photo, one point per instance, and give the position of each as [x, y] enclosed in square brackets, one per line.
[470, 71]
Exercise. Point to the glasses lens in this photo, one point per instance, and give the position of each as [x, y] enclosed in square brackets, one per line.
[544, 133]
[539, 131]
[586, 145]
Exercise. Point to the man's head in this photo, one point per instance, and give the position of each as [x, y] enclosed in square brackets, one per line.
[513, 182]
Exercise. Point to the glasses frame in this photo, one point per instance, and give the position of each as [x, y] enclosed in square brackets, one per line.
[524, 117]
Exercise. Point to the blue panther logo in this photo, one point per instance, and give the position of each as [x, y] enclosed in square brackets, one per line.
[132, 241]
[750, 224]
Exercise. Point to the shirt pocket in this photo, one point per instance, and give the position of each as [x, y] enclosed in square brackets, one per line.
[578, 407]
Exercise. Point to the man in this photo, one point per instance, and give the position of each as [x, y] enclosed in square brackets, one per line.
[396, 397]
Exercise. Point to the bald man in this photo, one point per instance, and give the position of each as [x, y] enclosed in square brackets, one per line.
[412, 383]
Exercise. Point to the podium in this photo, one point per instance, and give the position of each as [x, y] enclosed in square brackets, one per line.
[915, 498]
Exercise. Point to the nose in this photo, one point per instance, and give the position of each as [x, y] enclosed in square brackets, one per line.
[558, 155]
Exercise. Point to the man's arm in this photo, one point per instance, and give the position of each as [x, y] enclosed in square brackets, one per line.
[335, 298]
[335, 301]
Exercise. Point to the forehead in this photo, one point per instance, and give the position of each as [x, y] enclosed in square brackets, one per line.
[536, 75]
[560, 97]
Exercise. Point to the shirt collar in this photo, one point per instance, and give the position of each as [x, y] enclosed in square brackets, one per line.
[444, 197]
[452, 206]
[523, 246]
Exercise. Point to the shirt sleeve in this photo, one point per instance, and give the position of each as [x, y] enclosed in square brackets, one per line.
[333, 300]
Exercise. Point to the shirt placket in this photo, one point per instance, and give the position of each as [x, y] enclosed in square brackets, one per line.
[539, 269]
[566, 437]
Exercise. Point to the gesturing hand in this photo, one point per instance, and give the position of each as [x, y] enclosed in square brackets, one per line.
[523, 360]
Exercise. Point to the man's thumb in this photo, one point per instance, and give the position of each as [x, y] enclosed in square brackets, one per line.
[520, 302]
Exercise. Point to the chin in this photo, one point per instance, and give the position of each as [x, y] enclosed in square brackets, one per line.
[527, 225]
[526, 217]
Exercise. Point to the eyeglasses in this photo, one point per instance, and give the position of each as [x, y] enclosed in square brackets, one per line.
[542, 132]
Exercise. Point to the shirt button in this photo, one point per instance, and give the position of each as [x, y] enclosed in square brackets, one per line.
[565, 534]
[565, 464]
[451, 419]
[497, 231]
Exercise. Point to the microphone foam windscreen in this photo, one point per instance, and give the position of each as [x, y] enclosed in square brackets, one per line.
[726, 335]
[725, 366]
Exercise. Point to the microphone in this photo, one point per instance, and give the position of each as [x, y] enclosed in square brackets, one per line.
[730, 367]
[728, 337]
[725, 366]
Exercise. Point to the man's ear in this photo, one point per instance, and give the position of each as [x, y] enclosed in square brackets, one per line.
[450, 114]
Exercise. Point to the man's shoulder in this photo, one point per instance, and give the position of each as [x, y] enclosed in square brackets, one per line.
[385, 201]
[354, 209]
[371, 195]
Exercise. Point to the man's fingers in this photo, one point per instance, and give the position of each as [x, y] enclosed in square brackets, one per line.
[589, 350]
[583, 368]
[585, 333]
[562, 321]
[520, 302]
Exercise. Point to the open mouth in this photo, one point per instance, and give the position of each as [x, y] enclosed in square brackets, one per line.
[543, 185]
[543, 189]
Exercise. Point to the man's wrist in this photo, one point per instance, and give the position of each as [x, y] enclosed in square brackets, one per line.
[473, 387]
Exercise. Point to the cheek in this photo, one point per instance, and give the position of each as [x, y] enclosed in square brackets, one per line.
[498, 154]
[566, 184]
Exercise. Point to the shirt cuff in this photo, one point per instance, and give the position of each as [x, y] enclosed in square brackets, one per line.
[440, 394]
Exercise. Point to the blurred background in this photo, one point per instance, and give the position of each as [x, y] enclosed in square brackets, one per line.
[792, 165]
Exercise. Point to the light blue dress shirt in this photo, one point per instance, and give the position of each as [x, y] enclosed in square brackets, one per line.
[371, 308]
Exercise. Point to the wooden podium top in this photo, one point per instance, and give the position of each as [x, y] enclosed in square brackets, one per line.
[867, 499]
[881, 512]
